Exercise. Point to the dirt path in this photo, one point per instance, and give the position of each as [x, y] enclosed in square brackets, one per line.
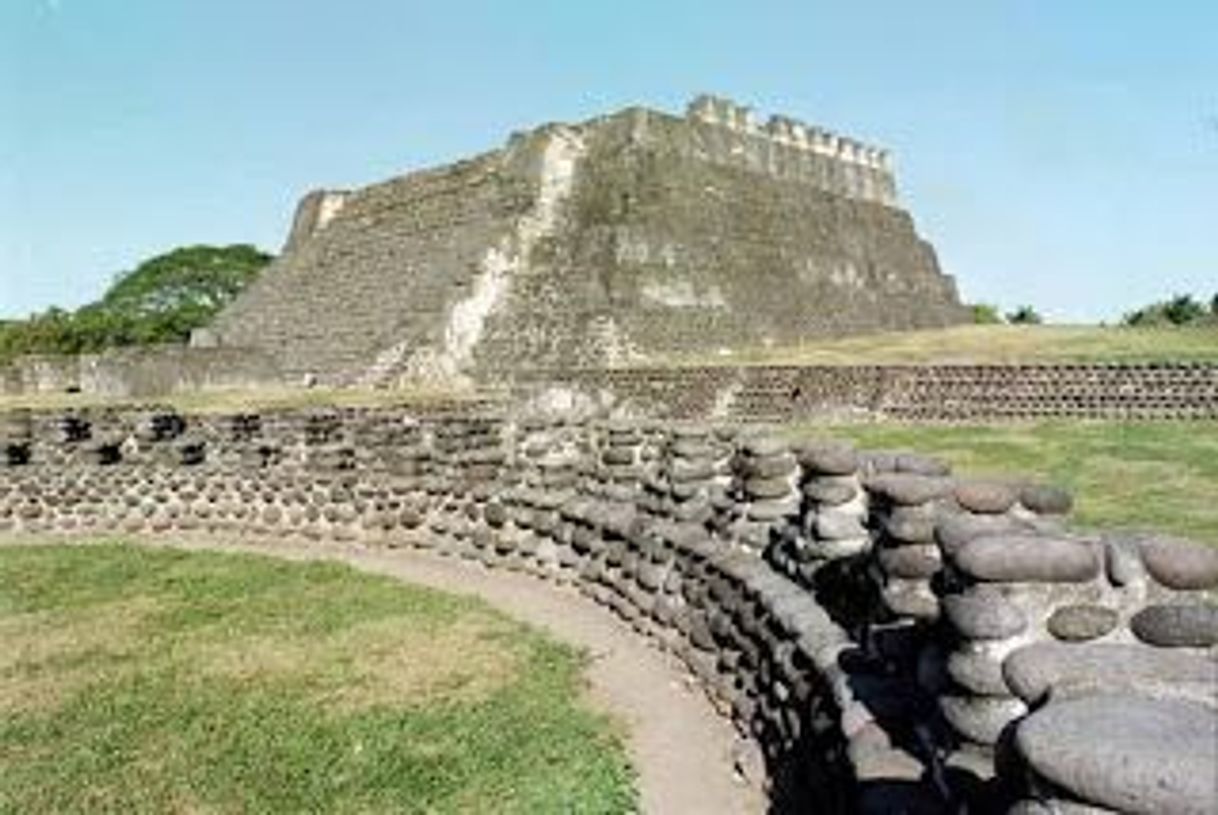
[683, 751]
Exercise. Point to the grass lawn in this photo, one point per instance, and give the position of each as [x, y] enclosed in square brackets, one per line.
[980, 344]
[1160, 476]
[136, 680]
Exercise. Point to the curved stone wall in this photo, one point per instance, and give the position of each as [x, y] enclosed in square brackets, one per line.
[893, 636]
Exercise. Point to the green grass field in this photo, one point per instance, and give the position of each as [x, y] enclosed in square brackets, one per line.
[982, 344]
[142, 681]
[1161, 476]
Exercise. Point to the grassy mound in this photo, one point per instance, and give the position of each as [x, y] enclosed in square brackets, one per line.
[135, 680]
[989, 344]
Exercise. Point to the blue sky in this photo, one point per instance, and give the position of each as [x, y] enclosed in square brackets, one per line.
[1063, 154]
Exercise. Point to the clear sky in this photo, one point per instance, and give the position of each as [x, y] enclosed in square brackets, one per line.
[1063, 154]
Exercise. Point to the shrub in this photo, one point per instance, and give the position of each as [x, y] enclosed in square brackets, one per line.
[1024, 315]
[985, 313]
[1180, 309]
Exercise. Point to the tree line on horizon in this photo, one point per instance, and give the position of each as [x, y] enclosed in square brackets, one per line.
[1177, 310]
[160, 301]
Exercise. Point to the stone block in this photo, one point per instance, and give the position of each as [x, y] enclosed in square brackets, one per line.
[1032, 558]
[1180, 564]
[981, 719]
[1036, 670]
[1078, 623]
[984, 613]
[1046, 499]
[828, 457]
[908, 489]
[1176, 626]
[1126, 752]
[986, 497]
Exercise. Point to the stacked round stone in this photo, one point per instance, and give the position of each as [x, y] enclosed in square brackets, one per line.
[692, 458]
[549, 467]
[470, 460]
[909, 494]
[766, 479]
[1046, 619]
[619, 466]
[833, 511]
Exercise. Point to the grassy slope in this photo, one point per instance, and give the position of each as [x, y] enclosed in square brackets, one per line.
[155, 681]
[990, 344]
[1161, 476]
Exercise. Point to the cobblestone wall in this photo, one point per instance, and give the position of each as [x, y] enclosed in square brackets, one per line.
[913, 392]
[895, 637]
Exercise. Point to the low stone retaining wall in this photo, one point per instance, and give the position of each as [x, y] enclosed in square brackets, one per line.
[140, 372]
[911, 392]
[893, 636]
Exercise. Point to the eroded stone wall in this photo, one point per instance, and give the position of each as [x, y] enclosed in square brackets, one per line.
[620, 238]
[910, 392]
[896, 638]
[142, 372]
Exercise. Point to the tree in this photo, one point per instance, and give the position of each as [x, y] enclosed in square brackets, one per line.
[1183, 309]
[1180, 309]
[161, 300]
[985, 313]
[202, 278]
[1024, 315]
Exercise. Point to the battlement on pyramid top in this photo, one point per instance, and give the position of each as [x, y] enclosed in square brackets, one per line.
[717, 110]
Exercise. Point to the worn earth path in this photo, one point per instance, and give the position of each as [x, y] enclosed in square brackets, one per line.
[685, 754]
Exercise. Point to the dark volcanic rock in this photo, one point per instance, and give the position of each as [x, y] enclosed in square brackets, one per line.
[1035, 670]
[914, 562]
[1123, 560]
[911, 599]
[1180, 564]
[983, 613]
[771, 467]
[836, 525]
[910, 524]
[986, 497]
[764, 446]
[1127, 752]
[828, 457]
[981, 719]
[977, 672]
[767, 487]
[909, 488]
[1046, 499]
[954, 531]
[1082, 622]
[1028, 558]
[1177, 625]
[830, 492]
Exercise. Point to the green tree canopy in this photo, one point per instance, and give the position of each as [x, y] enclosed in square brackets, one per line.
[160, 301]
[1180, 309]
[985, 313]
[202, 278]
